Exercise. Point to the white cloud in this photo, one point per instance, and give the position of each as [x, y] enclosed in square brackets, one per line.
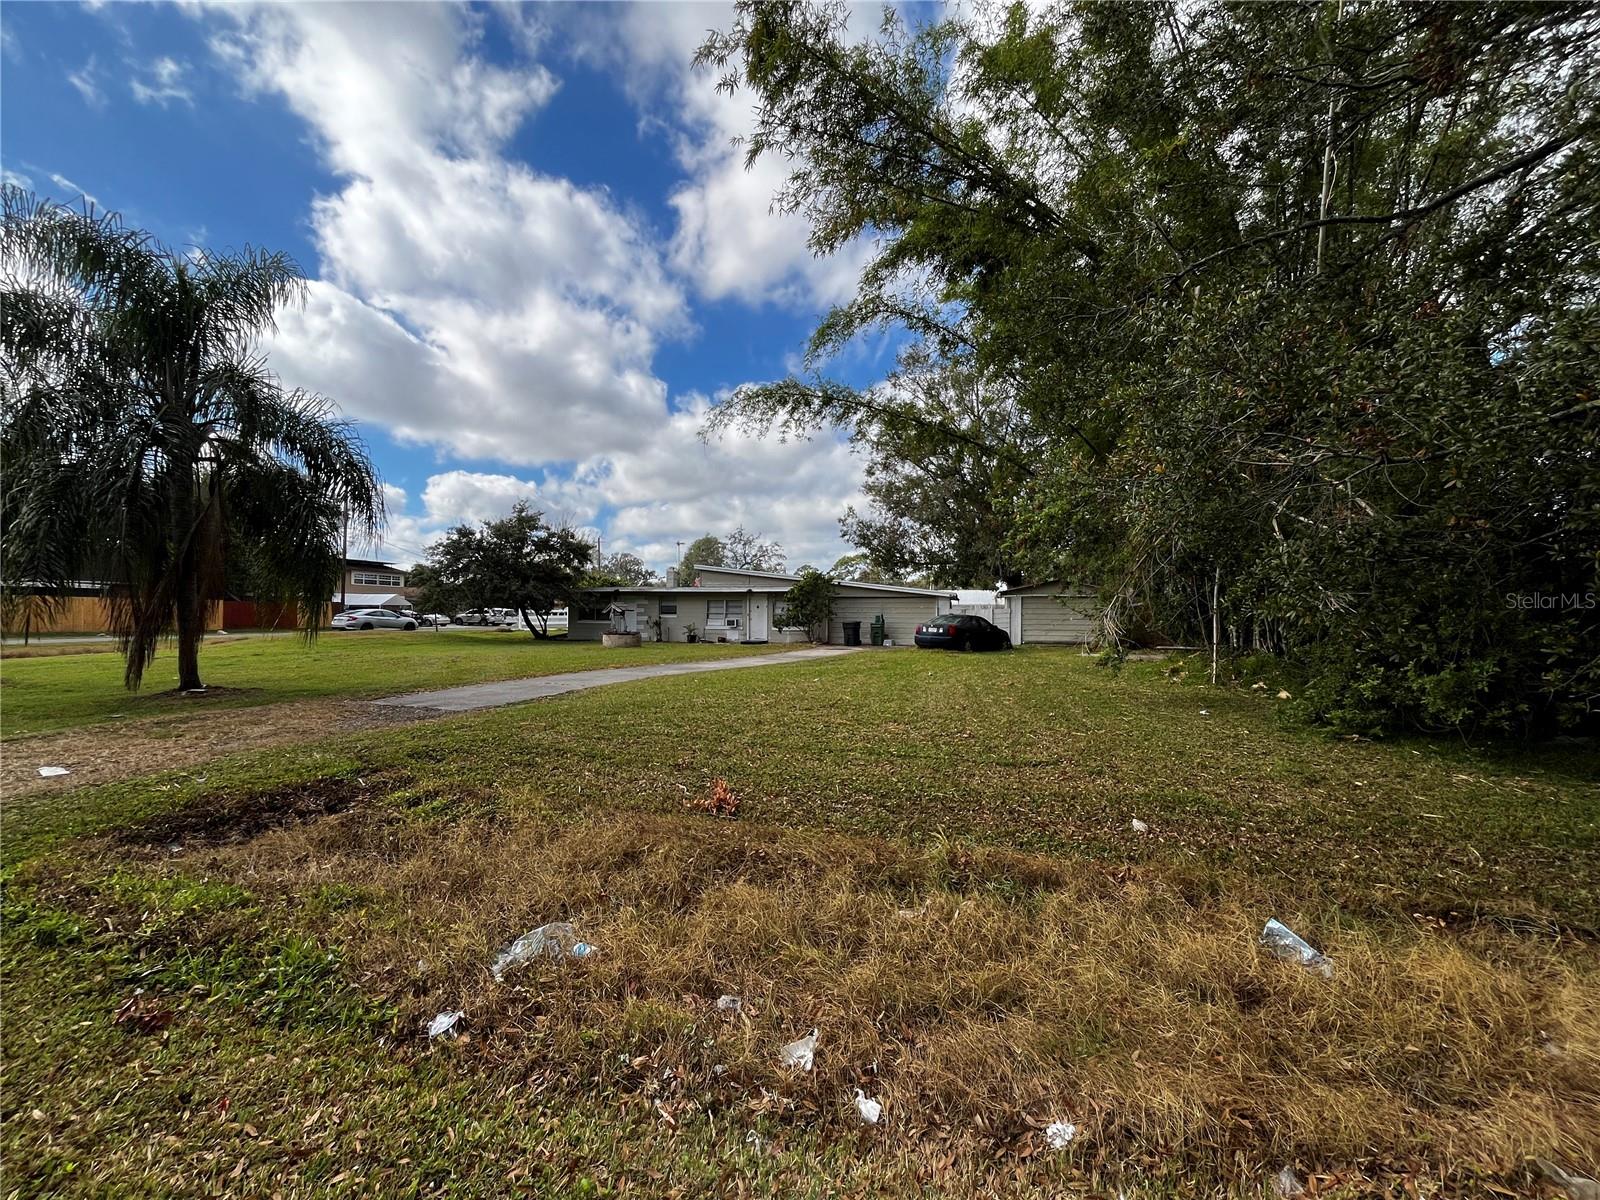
[162, 83]
[729, 239]
[72, 190]
[674, 488]
[15, 179]
[510, 314]
[87, 80]
[470, 302]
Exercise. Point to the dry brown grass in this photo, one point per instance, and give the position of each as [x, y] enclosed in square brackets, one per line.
[978, 993]
[126, 748]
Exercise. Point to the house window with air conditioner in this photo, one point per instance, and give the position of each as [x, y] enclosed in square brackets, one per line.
[724, 614]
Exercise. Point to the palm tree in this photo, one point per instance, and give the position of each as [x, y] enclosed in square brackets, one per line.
[142, 434]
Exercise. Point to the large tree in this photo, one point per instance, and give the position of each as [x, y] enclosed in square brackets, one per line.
[622, 570]
[946, 453]
[517, 562]
[746, 551]
[707, 550]
[140, 430]
[1296, 303]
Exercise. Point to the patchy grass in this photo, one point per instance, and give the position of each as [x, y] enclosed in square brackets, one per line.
[67, 691]
[931, 864]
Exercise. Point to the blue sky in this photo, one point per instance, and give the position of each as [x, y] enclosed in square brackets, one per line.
[536, 257]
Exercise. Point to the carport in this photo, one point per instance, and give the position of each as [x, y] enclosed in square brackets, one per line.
[370, 600]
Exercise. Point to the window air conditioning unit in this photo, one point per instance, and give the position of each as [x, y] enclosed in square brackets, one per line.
[732, 622]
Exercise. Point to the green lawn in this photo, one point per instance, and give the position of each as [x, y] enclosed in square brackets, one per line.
[932, 862]
[42, 694]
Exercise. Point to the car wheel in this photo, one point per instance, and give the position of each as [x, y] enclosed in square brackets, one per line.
[366, 624]
[966, 644]
[410, 625]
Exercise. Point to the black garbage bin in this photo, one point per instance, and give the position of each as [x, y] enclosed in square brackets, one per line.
[852, 633]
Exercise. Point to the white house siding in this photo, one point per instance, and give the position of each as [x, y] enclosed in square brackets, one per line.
[1070, 619]
[901, 614]
[755, 620]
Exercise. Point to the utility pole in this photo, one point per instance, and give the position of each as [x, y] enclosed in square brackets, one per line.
[344, 560]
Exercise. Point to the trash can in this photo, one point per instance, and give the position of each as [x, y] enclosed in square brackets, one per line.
[852, 633]
[877, 630]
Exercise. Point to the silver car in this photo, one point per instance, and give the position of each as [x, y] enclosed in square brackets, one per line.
[373, 618]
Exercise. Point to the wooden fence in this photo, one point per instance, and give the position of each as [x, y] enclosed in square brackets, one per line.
[75, 614]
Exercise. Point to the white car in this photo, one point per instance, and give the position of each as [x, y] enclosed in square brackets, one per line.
[486, 616]
[373, 618]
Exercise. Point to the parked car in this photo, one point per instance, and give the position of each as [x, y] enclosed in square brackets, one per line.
[373, 618]
[437, 620]
[486, 616]
[964, 632]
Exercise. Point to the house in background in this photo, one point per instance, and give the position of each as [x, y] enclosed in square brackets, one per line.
[725, 604]
[370, 583]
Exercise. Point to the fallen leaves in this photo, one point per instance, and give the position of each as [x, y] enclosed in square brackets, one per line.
[719, 800]
[142, 1014]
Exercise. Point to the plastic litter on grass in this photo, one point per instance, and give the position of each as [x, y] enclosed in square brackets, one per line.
[868, 1109]
[559, 939]
[51, 772]
[444, 1025]
[799, 1055]
[1058, 1134]
[1284, 943]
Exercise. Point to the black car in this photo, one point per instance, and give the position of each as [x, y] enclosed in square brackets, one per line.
[962, 633]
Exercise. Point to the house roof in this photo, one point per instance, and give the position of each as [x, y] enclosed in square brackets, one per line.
[1049, 587]
[903, 589]
[374, 563]
[680, 591]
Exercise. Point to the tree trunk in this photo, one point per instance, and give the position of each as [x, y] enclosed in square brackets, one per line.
[541, 629]
[191, 627]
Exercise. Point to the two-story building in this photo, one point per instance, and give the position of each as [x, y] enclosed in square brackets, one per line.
[370, 583]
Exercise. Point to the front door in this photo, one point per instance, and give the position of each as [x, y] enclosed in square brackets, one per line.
[758, 618]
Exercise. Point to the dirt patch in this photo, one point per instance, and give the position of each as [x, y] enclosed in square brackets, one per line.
[204, 694]
[232, 820]
[119, 750]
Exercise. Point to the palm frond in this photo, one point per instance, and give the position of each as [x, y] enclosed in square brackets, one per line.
[137, 424]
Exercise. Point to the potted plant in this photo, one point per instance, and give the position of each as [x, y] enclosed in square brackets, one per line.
[691, 632]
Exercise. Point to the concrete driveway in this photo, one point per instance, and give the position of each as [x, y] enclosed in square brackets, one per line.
[515, 691]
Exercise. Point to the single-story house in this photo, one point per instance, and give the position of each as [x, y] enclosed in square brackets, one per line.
[747, 606]
[1050, 612]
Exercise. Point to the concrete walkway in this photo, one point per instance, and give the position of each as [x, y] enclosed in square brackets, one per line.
[515, 691]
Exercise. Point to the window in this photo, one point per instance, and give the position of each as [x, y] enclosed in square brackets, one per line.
[720, 612]
[377, 578]
[593, 610]
[669, 608]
